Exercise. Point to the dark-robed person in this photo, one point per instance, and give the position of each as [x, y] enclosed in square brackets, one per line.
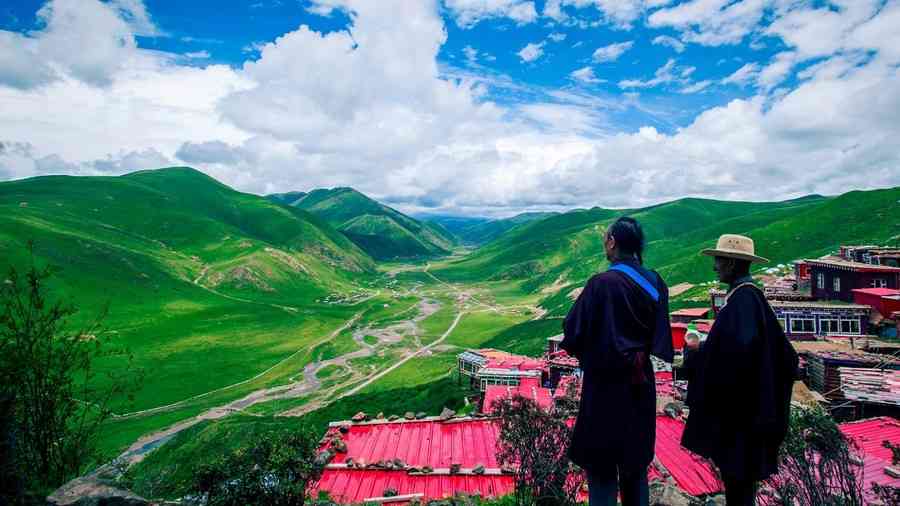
[618, 321]
[740, 379]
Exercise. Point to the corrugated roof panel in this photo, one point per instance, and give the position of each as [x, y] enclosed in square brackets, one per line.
[691, 473]
[869, 435]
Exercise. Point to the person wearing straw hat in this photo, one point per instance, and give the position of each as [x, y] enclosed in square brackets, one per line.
[740, 379]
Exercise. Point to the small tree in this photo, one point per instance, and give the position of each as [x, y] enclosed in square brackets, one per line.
[533, 442]
[818, 466]
[48, 386]
[276, 469]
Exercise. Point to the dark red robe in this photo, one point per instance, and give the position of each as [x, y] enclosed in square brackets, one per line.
[612, 329]
[739, 388]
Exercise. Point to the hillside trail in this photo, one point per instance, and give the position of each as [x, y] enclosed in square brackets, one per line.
[309, 384]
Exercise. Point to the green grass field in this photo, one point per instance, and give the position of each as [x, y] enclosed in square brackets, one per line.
[218, 294]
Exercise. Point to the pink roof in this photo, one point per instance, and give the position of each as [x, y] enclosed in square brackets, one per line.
[869, 435]
[355, 486]
[515, 363]
[692, 311]
[563, 386]
[692, 474]
[665, 387]
[529, 388]
[879, 292]
[471, 442]
[561, 357]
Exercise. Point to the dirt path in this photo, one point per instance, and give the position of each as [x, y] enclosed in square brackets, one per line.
[406, 359]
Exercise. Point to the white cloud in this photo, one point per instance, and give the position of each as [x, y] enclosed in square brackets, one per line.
[612, 52]
[743, 76]
[531, 52]
[380, 115]
[471, 54]
[86, 39]
[666, 74]
[469, 12]
[557, 37]
[585, 75]
[711, 22]
[777, 70]
[197, 55]
[666, 40]
[696, 87]
[618, 13]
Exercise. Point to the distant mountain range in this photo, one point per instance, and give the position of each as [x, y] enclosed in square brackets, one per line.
[558, 253]
[382, 232]
[479, 231]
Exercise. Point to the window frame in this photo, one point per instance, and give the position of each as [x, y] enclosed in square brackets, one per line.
[831, 319]
[851, 321]
[804, 319]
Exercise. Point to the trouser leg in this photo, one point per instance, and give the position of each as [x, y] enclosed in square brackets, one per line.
[635, 491]
[740, 492]
[602, 487]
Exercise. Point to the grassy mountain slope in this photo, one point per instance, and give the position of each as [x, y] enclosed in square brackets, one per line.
[483, 233]
[381, 231]
[558, 253]
[200, 279]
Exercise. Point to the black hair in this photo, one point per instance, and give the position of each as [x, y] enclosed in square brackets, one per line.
[629, 236]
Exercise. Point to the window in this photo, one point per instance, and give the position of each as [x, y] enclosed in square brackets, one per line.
[820, 281]
[849, 326]
[879, 283]
[837, 284]
[829, 326]
[783, 323]
[803, 325]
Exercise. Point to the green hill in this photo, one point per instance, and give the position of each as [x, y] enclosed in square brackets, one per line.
[382, 232]
[205, 285]
[558, 253]
[482, 233]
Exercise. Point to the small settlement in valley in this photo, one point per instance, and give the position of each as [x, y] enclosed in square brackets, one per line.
[842, 312]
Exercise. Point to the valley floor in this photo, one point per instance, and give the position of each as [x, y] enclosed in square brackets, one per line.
[403, 338]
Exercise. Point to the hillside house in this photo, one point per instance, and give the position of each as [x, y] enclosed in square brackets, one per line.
[529, 388]
[805, 320]
[835, 279]
[801, 274]
[559, 366]
[873, 255]
[688, 315]
[553, 343]
[884, 301]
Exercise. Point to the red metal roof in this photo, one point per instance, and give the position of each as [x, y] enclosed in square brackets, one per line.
[869, 435]
[878, 292]
[357, 485]
[691, 472]
[528, 387]
[515, 363]
[470, 442]
[692, 311]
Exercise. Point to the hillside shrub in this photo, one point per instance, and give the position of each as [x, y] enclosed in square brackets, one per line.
[819, 466]
[533, 442]
[51, 407]
[276, 469]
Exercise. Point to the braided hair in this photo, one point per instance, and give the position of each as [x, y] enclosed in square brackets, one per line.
[629, 237]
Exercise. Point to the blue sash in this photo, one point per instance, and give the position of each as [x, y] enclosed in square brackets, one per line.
[637, 278]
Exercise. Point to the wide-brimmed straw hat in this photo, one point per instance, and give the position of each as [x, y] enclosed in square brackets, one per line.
[735, 246]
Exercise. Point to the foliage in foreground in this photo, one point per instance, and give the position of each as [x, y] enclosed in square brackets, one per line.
[818, 464]
[50, 410]
[534, 442]
[276, 470]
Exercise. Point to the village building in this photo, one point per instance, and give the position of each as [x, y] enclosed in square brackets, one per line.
[873, 255]
[553, 343]
[835, 279]
[529, 388]
[688, 315]
[801, 275]
[808, 320]
[486, 367]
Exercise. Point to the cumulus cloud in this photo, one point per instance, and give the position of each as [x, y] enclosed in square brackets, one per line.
[711, 22]
[531, 52]
[469, 12]
[380, 115]
[611, 52]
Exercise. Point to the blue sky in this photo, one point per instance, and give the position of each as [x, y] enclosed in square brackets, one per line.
[461, 106]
